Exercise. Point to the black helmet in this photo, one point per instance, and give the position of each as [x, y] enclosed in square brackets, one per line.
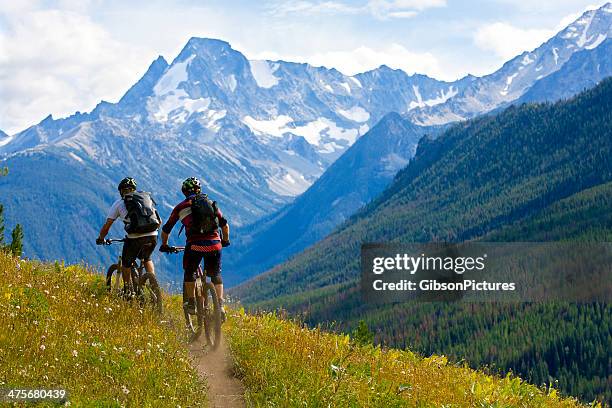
[191, 186]
[127, 183]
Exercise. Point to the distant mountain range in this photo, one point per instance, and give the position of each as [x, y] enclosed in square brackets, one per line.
[258, 132]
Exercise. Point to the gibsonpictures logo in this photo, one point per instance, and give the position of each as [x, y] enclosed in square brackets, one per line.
[478, 271]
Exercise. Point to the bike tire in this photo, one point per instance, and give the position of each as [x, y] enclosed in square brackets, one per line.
[194, 331]
[152, 292]
[110, 284]
[212, 317]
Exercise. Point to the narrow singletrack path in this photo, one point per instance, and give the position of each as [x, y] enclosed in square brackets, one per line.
[224, 389]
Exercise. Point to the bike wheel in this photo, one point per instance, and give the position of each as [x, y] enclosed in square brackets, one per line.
[113, 278]
[151, 293]
[212, 316]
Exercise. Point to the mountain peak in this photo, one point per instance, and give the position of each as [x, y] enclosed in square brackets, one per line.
[204, 47]
[143, 87]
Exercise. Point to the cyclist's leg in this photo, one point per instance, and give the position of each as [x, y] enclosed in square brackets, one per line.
[147, 248]
[130, 251]
[212, 266]
[191, 261]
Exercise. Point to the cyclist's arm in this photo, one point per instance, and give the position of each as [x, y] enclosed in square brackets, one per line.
[164, 237]
[105, 228]
[224, 226]
[167, 228]
[225, 232]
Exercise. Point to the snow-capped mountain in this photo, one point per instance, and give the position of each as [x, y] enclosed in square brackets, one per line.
[585, 69]
[258, 132]
[519, 74]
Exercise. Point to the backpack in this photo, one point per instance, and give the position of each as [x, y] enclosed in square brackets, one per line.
[204, 218]
[142, 216]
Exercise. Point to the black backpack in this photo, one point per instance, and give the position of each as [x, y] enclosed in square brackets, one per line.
[142, 216]
[204, 218]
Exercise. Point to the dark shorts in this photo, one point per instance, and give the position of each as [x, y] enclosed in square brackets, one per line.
[140, 248]
[212, 264]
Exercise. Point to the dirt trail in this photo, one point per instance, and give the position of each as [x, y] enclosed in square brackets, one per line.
[224, 389]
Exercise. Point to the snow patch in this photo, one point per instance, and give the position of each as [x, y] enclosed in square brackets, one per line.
[586, 21]
[356, 114]
[263, 72]
[509, 80]
[75, 157]
[290, 184]
[538, 68]
[232, 82]
[274, 127]
[555, 55]
[328, 88]
[527, 60]
[312, 131]
[600, 38]
[440, 98]
[363, 129]
[356, 81]
[346, 86]
[170, 81]
[175, 106]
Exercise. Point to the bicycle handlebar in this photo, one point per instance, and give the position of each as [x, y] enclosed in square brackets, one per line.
[173, 249]
[111, 240]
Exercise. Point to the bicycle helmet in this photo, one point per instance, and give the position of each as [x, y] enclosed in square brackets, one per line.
[191, 186]
[127, 183]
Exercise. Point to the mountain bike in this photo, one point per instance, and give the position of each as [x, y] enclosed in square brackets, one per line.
[146, 287]
[208, 308]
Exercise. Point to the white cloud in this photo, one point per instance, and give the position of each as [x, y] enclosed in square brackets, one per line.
[380, 9]
[363, 58]
[384, 9]
[507, 41]
[58, 61]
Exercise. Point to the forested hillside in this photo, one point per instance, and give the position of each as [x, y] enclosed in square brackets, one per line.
[534, 172]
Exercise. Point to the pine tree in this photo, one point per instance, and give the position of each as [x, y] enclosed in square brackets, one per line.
[16, 246]
[362, 334]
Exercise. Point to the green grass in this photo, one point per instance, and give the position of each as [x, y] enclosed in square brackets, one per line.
[60, 329]
[285, 364]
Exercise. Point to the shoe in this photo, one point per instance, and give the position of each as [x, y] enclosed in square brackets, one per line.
[128, 293]
[190, 306]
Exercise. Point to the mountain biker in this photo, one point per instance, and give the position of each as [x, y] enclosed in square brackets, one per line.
[136, 209]
[202, 219]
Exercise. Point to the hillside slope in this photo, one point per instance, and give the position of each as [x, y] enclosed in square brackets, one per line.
[285, 364]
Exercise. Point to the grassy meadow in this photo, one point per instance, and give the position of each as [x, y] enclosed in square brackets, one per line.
[60, 329]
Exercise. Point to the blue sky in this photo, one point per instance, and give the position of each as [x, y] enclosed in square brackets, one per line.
[60, 56]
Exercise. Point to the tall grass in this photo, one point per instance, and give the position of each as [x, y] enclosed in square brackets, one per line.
[285, 364]
[60, 329]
